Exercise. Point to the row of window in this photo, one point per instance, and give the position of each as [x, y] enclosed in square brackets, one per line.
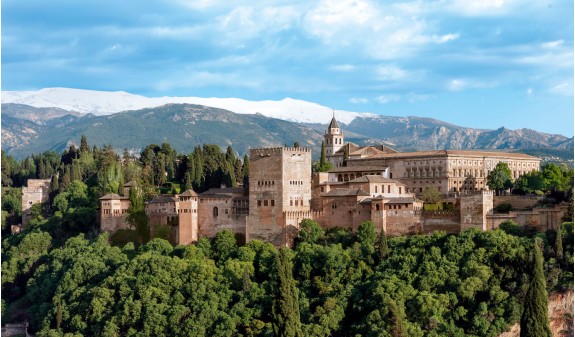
[116, 211]
[296, 182]
[338, 141]
[266, 202]
[296, 202]
[426, 162]
[266, 182]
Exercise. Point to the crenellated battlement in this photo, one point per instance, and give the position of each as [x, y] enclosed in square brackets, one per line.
[264, 152]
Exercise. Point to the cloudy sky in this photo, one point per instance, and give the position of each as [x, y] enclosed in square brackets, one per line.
[483, 63]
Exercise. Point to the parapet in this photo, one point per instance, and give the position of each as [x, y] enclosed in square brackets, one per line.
[302, 214]
[264, 152]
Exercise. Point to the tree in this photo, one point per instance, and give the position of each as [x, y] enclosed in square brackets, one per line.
[246, 171]
[322, 165]
[559, 244]
[395, 318]
[382, 246]
[310, 231]
[84, 145]
[285, 310]
[534, 320]
[345, 155]
[431, 195]
[500, 178]
[296, 144]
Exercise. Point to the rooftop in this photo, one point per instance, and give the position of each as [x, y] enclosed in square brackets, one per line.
[346, 192]
[373, 168]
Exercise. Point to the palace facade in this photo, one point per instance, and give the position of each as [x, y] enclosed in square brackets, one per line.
[372, 183]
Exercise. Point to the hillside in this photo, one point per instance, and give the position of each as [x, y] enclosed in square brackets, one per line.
[182, 125]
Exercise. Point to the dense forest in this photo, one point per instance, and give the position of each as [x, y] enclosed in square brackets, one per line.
[67, 279]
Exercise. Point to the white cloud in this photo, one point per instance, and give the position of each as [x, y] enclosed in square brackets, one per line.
[382, 31]
[564, 89]
[358, 100]
[384, 99]
[390, 73]
[529, 91]
[459, 84]
[482, 7]
[342, 67]
[552, 44]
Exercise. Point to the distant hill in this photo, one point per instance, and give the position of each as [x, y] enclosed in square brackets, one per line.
[184, 126]
[417, 133]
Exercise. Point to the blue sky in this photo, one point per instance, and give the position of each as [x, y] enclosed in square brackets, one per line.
[484, 63]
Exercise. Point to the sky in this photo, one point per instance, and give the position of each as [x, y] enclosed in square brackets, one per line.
[482, 64]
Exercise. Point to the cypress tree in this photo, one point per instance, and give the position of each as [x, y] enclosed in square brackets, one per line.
[559, 244]
[534, 320]
[285, 310]
[322, 158]
[84, 145]
[396, 319]
[54, 186]
[345, 155]
[246, 171]
[383, 249]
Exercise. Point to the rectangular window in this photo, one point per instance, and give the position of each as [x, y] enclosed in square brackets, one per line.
[291, 202]
[273, 203]
[265, 202]
[259, 202]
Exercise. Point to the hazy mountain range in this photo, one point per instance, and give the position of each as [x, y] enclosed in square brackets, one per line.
[52, 119]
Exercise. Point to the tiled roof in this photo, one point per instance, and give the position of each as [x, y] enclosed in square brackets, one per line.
[333, 124]
[445, 153]
[373, 178]
[113, 196]
[162, 198]
[404, 200]
[346, 192]
[234, 190]
[357, 169]
[189, 193]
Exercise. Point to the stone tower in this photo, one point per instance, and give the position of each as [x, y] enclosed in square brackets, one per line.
[333, 138]
[187, 218]
[280, 181]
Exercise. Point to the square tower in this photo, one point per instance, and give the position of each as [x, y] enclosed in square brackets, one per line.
[280, 181]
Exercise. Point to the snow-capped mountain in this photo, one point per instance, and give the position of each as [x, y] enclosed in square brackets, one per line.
[105, 103]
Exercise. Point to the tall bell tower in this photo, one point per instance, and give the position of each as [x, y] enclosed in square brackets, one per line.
[333, 138]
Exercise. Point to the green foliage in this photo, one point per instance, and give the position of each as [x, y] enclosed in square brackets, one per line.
[500, 177]
[503, 208]
[286, 316]
[431, 195]
[534, 320]
[310, 231]
[323, 165]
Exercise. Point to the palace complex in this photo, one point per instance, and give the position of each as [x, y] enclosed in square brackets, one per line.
[372, 183]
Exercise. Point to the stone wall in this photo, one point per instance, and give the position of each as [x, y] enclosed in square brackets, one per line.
[35, 193]
[474, 209]
[447, 221]
[15, 329]
[517, 201]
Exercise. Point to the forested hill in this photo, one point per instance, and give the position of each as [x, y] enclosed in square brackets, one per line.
[331, 284]
[184, 126]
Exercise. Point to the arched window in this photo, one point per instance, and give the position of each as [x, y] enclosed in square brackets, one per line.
[215, 212]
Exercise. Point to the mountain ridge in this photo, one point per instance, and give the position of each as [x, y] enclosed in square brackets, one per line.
[187, 125]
